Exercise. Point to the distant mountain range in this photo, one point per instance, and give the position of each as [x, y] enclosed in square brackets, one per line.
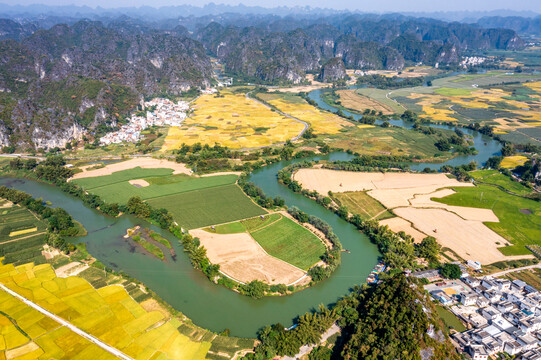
[58, 80]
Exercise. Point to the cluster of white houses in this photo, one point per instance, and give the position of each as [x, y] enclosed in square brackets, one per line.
[503, 316]
[163, 112]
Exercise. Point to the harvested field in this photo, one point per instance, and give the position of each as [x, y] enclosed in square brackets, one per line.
[325, 180]
[242, 258]
[469, 239]
[139, 183]
[144, 163]
[359, 202]
[398, 224]
[352, 100]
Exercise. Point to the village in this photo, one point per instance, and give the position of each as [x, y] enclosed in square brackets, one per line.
[502, 316]
[159, 112]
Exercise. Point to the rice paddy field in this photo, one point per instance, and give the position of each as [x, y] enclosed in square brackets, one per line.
[22, 234]
[232, 120]
[353, 100]
[108, 313]
[321, 121]
[359, 202]
[519, 218]
[216, 205]
[281, 237]
[511, 162]
[389, 141]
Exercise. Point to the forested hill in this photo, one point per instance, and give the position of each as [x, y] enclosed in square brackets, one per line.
[59, 82]
[522, 25]
[266, 53]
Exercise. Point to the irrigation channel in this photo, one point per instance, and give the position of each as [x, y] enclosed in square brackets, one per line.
[215, 307]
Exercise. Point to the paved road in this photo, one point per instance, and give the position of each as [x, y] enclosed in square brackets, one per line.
[501, 273]
[104, 346]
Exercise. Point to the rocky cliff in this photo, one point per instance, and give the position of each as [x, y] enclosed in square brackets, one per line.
[56, 84]
[333, 70]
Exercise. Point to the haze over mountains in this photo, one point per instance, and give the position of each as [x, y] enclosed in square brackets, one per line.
[66, 70]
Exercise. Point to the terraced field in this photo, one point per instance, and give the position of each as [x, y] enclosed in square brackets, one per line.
[108, 313]
[234, 121]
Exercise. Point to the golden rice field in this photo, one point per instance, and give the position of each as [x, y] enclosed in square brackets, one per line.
[511, 162]
[524, 111]
[322, 122]
[21, 232]
[233, 121]
[108, 313]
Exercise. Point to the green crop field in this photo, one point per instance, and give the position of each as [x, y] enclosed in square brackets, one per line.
[520, 218]
[288, 241]
[119, 190]
[453, 91]
[121, 176]
[497, 178]
[22, 235]
[359, 202]
[209, 206]
[247, 225]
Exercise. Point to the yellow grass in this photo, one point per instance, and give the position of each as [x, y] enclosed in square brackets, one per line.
[511, 162]
[233, 121]
[21, 232]
[437, 114]
[108, 313]
[322, 122]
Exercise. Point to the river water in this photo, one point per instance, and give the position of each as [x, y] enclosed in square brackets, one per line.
[214, 307]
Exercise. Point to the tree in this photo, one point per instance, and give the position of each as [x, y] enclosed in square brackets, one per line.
[428, 249]
[255, 289]
[385, 124]
[451, 271]
[408, 115]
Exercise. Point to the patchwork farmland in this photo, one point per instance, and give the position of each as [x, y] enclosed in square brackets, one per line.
[108, 313]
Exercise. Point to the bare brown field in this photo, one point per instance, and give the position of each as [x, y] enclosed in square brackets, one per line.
[145, 163]
[325, 180]
[139, 183]
[471, 240]
[243, 259]
[398, 224]
[350, 99]
[409, 195]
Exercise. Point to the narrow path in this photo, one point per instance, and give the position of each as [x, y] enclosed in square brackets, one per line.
[24, 237]
[378, 214]
[501, 273]
[58, 319]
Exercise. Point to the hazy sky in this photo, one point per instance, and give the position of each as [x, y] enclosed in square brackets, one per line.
[364, 5]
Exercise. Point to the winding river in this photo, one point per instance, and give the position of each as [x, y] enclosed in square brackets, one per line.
[214, 307]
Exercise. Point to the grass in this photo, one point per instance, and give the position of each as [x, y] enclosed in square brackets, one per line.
[359, 202]
[151, 248]
[288, 241]
[453, 91]
[497, 178]
[449, 319]
[157, 237]
[351, 99]
[108, 313]
[247, 225]
[204, 207]
[531, 277]
[515, 226]
[120, 177]
[118, 189]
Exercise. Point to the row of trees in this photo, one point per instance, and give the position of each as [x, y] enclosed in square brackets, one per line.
[59, 222]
